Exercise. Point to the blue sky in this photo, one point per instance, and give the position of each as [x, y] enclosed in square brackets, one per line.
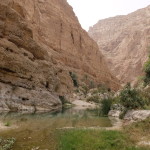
[90, 11]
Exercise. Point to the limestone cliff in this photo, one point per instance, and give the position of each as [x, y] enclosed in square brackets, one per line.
[41, 44]
[124, 40]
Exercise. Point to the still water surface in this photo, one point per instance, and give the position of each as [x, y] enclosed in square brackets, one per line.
[41, 130]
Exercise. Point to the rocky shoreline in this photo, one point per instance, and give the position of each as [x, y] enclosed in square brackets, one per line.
[131, 115]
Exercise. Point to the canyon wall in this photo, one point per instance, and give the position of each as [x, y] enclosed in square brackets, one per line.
[41, 45]
[124, 41]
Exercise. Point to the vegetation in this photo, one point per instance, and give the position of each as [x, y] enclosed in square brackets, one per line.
[130, 98]
[7, 124]
[91, 85]
[88, 81]
[6, 144]
[96, 140]
[84, 89]
[74, 79]
[147, 72]
[138, 131]
[106, 106]
[63, 99]
[65, 102]
[122, 114]
[103, 88]
[94, 98]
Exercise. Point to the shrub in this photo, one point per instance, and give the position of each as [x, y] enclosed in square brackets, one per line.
[7, 124]
[106, 106]
[94, 98]
[147, 72]
[146, 96]
[74, 79]
[84, 89]
[95, 91]
[7, 144]
[130, 98]
[103, 88]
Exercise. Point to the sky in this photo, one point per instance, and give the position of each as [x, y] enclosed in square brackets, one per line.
[89, 12]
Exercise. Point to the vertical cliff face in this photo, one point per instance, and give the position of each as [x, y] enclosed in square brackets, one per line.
[41, 44]
[124, 40]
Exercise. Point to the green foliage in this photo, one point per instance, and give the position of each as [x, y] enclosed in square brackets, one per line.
[106, 106]
[74, 79]
[146, 78]
[130, 98]
[146, 97]
[7, 124]
[95, 140]
[84, 89]
[7, 144]
[94, 98]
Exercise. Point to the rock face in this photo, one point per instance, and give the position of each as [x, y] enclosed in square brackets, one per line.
[124, 40]
[41, 44]
[137, 115]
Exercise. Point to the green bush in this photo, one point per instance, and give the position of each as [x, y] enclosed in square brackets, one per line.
[7, 144]
[74, 79]
[106, 106]
[147, 72]
[84, 89]
[146, 96]
[131, 98]
[7, 124]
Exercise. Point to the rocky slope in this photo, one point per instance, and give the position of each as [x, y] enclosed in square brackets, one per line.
[41, 45]
[124, 40]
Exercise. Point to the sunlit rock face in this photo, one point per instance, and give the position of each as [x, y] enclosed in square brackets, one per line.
[41, 43]
[124, 40]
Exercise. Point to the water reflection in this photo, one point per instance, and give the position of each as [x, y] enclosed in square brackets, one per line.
[40, 129]
[68, 117]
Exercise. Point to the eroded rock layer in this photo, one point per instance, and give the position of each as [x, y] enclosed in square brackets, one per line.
[124, 40]
[41, 44]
